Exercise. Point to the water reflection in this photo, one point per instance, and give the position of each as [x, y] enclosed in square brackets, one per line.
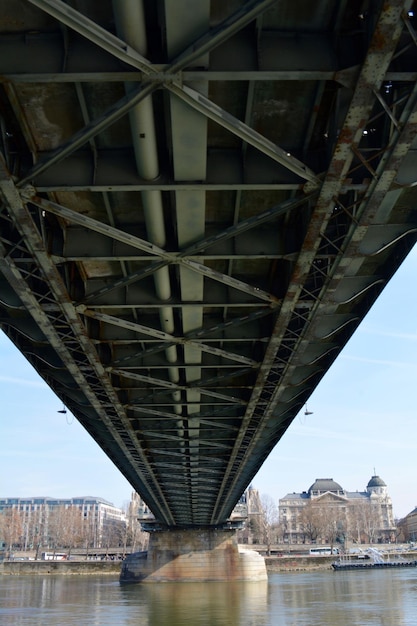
[206, 604]
[354, 598]
[375, 598]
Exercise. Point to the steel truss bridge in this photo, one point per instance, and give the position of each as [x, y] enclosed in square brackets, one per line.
[200, 201]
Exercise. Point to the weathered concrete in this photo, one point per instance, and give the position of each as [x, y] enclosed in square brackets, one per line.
[297, 563]
[43, 568]
[193, 556]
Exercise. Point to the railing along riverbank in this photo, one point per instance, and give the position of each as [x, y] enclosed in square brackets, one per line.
[295, 559]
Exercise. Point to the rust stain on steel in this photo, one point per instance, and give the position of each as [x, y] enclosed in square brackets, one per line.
[346, 136]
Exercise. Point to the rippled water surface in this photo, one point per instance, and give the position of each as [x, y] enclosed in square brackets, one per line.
[384, 597]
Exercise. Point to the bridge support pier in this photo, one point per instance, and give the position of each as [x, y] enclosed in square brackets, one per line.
[197, 555]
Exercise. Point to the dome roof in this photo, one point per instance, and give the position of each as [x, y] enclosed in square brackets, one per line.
[376, 481]
[325, 484]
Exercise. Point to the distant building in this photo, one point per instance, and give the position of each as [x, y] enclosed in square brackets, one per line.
[250, 506]
[138, 509]
[97, 514]
[409, 526]
[363, 516]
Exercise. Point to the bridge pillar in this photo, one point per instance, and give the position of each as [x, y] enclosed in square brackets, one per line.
[197, 555]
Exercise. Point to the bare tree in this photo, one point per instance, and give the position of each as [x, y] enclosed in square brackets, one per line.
[354, 523]
[334, 525]
[137, 539]
[11, 529]
[268, 520]
[89, 533]
[38, 528]
[65, 527]
[364, 521]
[310, 521]
[371, 521]
[401, 531]
[134, 536]
[322, 521]
[113, 535]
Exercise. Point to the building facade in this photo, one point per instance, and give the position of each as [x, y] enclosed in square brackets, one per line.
[97, 518]
[327, 513]
[409, 526]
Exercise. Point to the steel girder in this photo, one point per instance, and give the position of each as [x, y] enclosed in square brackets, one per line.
[185, 318]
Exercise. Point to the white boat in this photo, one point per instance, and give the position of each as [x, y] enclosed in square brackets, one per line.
[372, 559]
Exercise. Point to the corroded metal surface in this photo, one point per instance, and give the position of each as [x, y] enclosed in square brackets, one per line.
[198, 209]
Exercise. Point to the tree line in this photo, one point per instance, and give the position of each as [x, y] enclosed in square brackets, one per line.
[318, 522]
[65, 528]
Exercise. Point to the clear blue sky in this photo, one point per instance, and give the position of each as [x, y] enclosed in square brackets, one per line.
[364, 418]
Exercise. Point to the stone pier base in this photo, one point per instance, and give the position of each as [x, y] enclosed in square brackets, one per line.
[198, 555]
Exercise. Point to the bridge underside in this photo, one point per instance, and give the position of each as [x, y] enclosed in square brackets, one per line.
[200, 203]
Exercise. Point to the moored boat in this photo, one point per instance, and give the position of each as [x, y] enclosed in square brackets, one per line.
[372, 559]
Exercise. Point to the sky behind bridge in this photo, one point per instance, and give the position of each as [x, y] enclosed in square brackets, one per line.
[363, 420]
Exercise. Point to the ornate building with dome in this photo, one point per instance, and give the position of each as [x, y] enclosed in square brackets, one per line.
[327, 513]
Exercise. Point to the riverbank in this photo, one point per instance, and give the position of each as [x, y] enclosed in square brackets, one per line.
[274, 564]
[45, 568]
[67, 568]
[297, 563]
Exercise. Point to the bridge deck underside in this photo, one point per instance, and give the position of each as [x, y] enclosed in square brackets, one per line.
[198, 209]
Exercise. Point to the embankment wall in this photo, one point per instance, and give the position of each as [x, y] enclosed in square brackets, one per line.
[43, 568]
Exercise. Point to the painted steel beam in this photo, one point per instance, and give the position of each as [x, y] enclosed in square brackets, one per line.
[197, 247]
[146, 246]
[114, 171]
[190, 76]
[211, 110]
[120, 49]
[176, 387]
[166, 337]
[75, 329]
[287, 354]
[65, 14]
[385, 38]
[135, 96]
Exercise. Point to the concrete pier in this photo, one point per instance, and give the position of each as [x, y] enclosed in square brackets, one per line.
[197, 555]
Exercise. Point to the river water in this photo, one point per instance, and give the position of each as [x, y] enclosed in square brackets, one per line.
[319, 598]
